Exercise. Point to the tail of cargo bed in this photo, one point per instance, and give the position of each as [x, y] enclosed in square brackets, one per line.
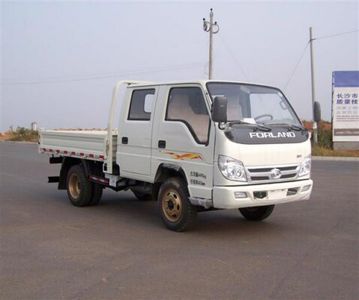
[108, 166]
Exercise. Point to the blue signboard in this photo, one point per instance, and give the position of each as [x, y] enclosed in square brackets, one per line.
[346, 79]
[345, 106]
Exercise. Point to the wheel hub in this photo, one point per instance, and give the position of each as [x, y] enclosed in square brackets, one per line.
[74, 186]
[172, 206]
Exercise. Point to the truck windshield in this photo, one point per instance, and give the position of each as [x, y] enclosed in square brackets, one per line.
[254, 104]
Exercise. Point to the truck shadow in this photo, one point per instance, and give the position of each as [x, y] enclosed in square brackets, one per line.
[126, 208]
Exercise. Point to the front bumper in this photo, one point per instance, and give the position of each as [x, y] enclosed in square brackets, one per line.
[227, 197]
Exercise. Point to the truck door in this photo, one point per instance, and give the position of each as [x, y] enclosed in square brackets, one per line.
[134, 133]
[183, 136]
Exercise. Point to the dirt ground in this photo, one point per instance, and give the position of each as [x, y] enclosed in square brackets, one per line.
[4, 136]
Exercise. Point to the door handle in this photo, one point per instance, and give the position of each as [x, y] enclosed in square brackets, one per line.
[124, 140]
[161, 144]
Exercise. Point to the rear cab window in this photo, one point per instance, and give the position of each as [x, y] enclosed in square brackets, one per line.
[141, 105]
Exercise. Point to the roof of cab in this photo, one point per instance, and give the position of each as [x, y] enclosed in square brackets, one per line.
[201, 82]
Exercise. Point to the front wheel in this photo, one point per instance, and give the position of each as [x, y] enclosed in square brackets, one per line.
[257, 213]
[176, 211]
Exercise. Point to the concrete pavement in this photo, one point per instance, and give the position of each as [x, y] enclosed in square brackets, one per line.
[120, 249]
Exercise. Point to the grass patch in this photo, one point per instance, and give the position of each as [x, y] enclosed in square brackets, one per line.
[23, 134]
[318, 150]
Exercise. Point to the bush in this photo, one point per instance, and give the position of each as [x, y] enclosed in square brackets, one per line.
[24, 134]
[325, 139]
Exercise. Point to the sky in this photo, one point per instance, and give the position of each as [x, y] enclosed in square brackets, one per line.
[61, 59]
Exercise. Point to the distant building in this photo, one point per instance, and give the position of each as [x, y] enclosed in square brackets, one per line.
[34, 126]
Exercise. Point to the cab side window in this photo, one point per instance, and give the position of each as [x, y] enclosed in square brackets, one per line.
[187, 105]
[141, 105]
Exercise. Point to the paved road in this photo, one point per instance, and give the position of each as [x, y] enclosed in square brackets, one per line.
[120, 250]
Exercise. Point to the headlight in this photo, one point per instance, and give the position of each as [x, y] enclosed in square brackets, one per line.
[231, 168]
[305, 167]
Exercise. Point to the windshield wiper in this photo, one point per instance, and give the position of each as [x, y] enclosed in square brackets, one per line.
[296, 127]
[291, 126]
[258, 126]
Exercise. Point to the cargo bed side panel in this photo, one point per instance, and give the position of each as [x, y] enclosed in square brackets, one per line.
[83, 144]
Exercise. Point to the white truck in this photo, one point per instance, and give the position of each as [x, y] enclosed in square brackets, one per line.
[192, 146]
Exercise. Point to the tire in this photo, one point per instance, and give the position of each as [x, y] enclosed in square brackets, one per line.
[79, 189]
[177, 213]
[257, 213]
[140, 195]
[96, 194]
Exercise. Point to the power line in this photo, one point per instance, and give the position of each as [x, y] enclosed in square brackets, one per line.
[305, 48]
[335, 35]
[228, 49]
[296, 66]
[101, 76]
[177, 67]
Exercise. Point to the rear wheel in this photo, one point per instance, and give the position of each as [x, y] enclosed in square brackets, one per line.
[96, 194]
[176, 211]
[257, 213]
[79, 189]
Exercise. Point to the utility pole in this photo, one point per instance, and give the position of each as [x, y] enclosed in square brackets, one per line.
[315, 127]
[212, 28]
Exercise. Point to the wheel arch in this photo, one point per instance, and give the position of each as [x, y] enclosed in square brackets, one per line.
[90, 167]
[165, 171]
[67, 163]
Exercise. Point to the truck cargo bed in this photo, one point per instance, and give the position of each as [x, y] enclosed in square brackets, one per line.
[86, 144]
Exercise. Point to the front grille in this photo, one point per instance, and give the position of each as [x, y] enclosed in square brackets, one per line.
[272, 173]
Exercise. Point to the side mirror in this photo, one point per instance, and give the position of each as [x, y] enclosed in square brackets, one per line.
[316, 112]
[219, 109]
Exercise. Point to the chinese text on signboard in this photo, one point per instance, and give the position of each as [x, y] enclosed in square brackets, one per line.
[346, 106]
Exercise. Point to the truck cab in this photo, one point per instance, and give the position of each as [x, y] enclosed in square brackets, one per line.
[204, 145]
